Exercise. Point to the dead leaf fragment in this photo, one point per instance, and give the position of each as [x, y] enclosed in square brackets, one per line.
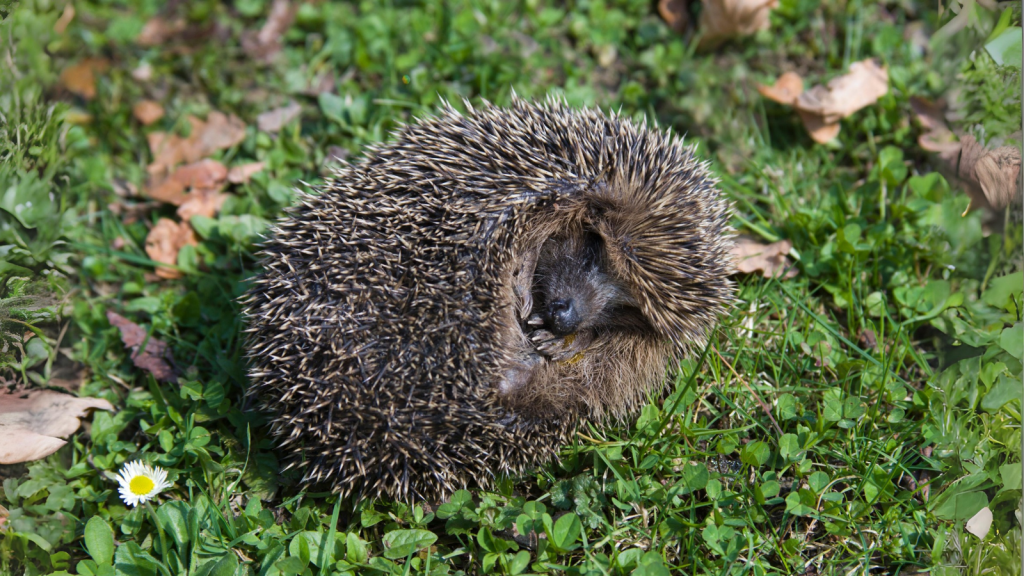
[157, 31]
[31, 424]
[990, 177]
[785, 90]
[675, 13]
[822, 107]
[867, 338]
[751, 257]
[278, 118]
[862, 86]
[998, 173]
[204, 174]
[240, 174]
[201, 202]
[155, 358]
[265, 45]
[3, 517]
[65, 18]
[147, 111]
[80, 78]
[980, 523]
[816, 126]
[724, 19]
[164, 242]
[217, 132]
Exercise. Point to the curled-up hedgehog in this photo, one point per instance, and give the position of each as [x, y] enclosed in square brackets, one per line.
[454, 305]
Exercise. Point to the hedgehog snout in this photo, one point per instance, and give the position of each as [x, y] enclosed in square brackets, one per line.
[563, 316]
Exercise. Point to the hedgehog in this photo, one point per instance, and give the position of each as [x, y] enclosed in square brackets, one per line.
[451, 308]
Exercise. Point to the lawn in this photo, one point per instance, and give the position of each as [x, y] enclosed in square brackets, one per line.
[857, 412]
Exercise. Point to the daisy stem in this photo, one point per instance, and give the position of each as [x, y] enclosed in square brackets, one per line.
[160, 530]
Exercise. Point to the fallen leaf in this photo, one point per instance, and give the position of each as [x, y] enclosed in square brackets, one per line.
[217, 132]
[201, 202]
[862, 86]
[278, 118]
[822, 107]
[675, 13]
[65, 18]
[3, 517]
[785, 90]
[198, 175]
[998, 173]
[266, 44]
[157, 31]
[980, 523]
[147, 111]
[31, 423]
[724, 19]
[868, 339]
[155, 359]
[816, 126]
[990, 177]
[163, 243]
[80, 77]
[144, 72]
[240, 174]
[752, 256]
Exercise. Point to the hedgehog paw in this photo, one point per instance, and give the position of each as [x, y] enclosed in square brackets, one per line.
[558, 348]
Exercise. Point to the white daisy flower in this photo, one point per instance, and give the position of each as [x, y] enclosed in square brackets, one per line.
[140, 482]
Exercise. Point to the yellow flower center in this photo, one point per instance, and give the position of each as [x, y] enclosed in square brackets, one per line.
[141, 485]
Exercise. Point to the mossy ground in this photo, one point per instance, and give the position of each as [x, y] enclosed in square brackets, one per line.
[891, 363]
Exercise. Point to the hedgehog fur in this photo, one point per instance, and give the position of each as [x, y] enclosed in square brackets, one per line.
[394, 300]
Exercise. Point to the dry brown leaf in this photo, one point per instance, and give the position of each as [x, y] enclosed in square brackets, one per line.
[147, 111]
[862, 86]
[198, 175]
[274, 120]
[820, 131]
[157, 31]
[265, 45]
[241, 174]
[868, 340]
[201, 202]
[770, 260]
[219, 131]
[80, 77]
[163, 243]
[990, 177]
[822, 107]
[155, 359]
[785, 90]
[31, 423]
[998, 173]
[675, 13]
[3, 517]
[65, 18]
[724, 19]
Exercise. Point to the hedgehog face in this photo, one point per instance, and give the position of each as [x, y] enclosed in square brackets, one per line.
[573, 290]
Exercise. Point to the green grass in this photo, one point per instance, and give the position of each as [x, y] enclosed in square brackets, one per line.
[871, 460]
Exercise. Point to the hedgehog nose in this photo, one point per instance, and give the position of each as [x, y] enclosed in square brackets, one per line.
[565, 318]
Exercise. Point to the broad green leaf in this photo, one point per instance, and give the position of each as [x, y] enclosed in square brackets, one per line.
[1005, 390]
[1005, 49]
[401, 543]
[565, 532]
[99, 540]
[355, 549]
[1012, 340]
[173, 516]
